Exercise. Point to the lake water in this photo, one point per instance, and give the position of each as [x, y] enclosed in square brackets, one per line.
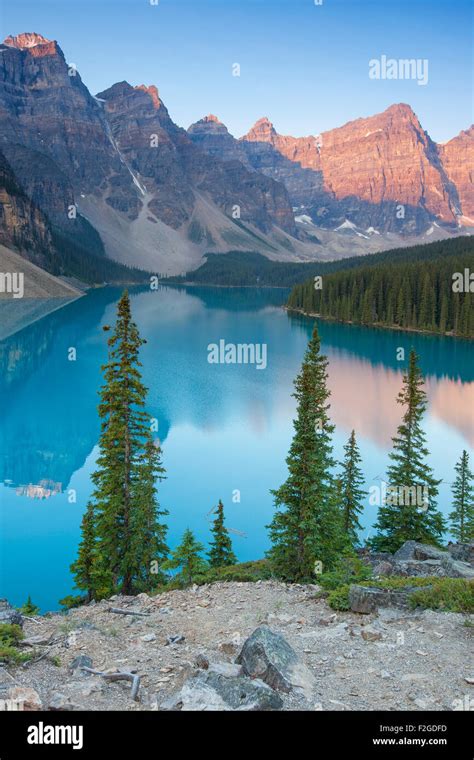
[223, 428]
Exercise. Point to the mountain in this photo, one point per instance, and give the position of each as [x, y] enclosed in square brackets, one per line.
[113, 177]
[22, 224]
[118, 163]
[382, 173]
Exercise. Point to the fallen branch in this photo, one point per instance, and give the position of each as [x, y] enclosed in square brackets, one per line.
[118, 611]
[119, 676]
[33, 662]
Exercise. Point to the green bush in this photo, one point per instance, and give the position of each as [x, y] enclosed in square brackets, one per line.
[447, 594]
[10, 637]
[338, 598]
[349, 569]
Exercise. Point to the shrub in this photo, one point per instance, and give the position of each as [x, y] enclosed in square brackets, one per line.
[349, 569]
[338, 598]
[448, 594]
[10, 637]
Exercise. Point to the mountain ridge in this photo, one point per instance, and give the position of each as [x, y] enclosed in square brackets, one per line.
[160, 196]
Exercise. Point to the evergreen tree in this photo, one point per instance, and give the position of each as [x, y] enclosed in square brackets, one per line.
[221, 553]
[187, 556]
[29, 608]
[307, 526]
[409, 511]
[83, 567]
[462, 516]
[352, 492]
[149, 550]
[125, 515]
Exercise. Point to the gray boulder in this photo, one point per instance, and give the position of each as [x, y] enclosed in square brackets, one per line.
[457, 569]
[268, 656]
[415, 550]
[421, 568]
[9, 614]
[209, 690]
[462, 552]
[367, 599]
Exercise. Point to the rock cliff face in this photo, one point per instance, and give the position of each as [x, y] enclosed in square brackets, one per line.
[54, 133]
[121, 150]
[173, 168]
[383, 171]
[22, 224]
[457, 157]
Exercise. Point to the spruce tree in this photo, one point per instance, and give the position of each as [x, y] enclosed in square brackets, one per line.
[83, 567]
[29, 608]
[462, 516]
[409, 512]
[221, 553]
[352, 491]
[125, 515]
[149, 550]
[307, 526]
[187, 556]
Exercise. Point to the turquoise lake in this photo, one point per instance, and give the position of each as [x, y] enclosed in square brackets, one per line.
[223, 428]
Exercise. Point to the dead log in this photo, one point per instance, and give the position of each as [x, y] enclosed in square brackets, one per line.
[119, 676]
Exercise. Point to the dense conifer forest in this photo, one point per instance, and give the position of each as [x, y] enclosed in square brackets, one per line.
[427, 288]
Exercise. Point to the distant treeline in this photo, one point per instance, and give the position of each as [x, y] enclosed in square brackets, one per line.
[426, 288]
[247, 268]
[82, 255]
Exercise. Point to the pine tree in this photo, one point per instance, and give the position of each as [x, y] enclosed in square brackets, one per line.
[149, 550]
[83, 568]
[352, 492]
[29, 608]
[462, 516]
[127, 531]
[187, 556]
[221, 553]
[409, 511]
[307, 526]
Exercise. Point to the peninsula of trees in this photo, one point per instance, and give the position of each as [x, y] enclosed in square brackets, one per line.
[433, 293]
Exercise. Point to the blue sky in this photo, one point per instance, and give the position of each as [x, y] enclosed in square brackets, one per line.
[305, 66]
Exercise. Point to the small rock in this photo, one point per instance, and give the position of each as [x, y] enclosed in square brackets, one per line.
[148, 637]
[202, 662]
[83, 661]
[177, 639]
[469, 680]
[371, 634]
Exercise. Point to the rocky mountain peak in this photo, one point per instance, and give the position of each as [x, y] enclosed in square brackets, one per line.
[34, 44]
[152, 91]
[26, 40]
[262, 131]
[208, 125]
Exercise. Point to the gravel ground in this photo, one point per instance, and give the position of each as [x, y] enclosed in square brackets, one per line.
[393, 660]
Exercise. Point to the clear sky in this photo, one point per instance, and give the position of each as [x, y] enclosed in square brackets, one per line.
[305, 66]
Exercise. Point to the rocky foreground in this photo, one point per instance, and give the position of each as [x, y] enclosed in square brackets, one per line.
[245, 646]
